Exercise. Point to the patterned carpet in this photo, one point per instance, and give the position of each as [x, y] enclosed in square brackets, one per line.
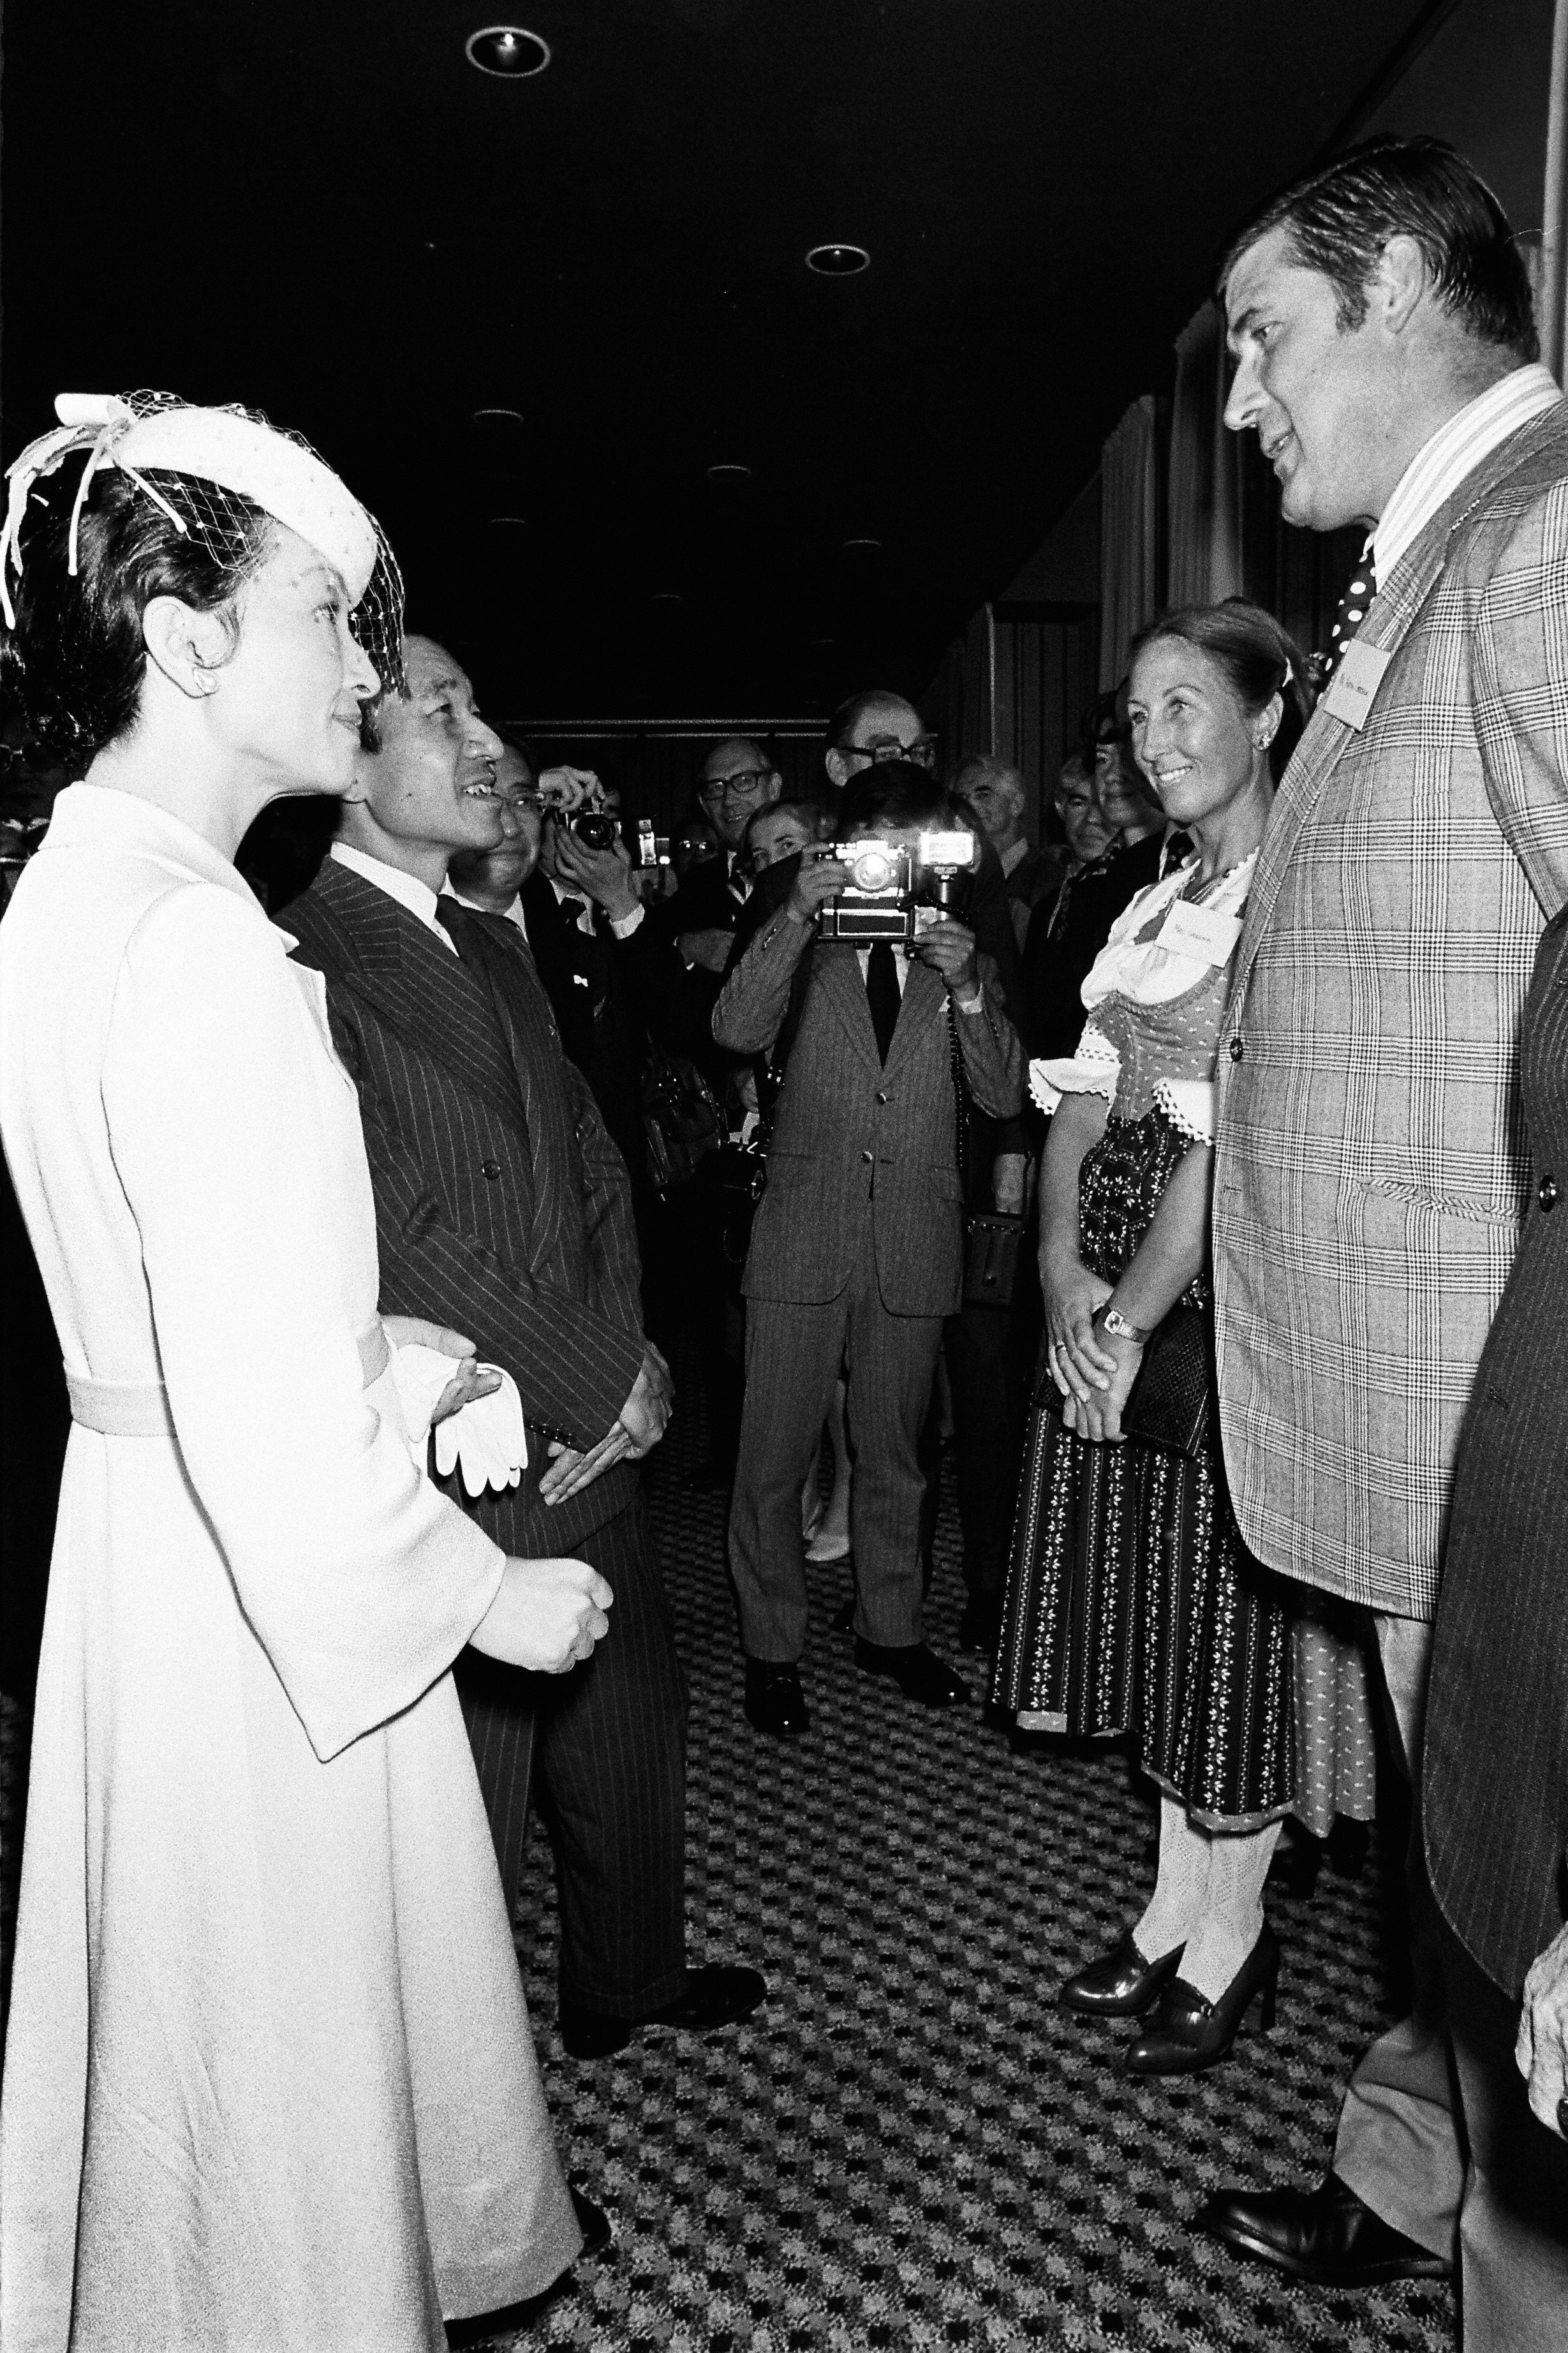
[910, 2144]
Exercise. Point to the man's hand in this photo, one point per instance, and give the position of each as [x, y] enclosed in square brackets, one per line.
[605, 874]
[949, 948]
[1541, 2050]
[467, 1383]
[710, 948]
[546, 1616]
[648, 1409]
[1008, 1173]
[819, 880]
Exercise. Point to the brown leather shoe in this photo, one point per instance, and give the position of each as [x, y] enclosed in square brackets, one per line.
[1324, 2234]
[1120, 1983]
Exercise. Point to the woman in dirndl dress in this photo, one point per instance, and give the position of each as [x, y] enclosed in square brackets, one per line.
[1132, 1605]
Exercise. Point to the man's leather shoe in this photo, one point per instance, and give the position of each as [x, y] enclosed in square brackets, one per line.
[1324, 2234]
[919, 1672]
[774, 1701]
[843, 1617]
[1120, 1983]
[1185, 2031]
[709, 1477]
[979, 1627]
[592, 2222]
[714, 1997]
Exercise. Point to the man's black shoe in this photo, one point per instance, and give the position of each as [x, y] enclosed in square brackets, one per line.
[919, 1672]
[714, 1997]
[981, 1624]
[774, 1701]
[483, 2328]
[843, 1617]
[1324, 2234]
[709, 1477]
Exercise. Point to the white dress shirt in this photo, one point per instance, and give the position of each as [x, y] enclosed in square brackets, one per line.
[407, 888]
[1456, 449]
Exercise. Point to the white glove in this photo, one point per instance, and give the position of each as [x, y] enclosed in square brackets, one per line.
[485, 1436]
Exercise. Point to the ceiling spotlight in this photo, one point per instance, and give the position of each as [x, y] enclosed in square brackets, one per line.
[508, 51]
[509, 522]
[497, 416]
[725, 472]
[837, 260]
[667, 597]
[862, 547]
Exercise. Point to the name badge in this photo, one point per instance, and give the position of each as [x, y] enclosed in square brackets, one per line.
[1353, 684]
[1202, 932]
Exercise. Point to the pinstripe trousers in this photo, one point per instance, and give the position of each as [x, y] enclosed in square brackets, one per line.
[608, 1742]
[793, 1352]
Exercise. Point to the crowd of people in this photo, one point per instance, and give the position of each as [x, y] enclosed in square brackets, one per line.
[1190, 1166]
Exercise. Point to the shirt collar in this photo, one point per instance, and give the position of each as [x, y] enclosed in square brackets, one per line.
[407, 888]
[1456, 449]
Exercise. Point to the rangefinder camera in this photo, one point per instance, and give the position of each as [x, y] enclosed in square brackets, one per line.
[894, 888]
[575, 799]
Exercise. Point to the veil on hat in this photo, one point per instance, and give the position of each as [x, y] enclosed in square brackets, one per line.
[198, 464]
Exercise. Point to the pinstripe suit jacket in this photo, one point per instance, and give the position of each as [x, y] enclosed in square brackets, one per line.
[1371, 1164]
[502, 1208]
[846, 1128]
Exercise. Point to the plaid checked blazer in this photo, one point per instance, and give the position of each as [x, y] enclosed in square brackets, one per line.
[1370, 1166]
[502, 1205]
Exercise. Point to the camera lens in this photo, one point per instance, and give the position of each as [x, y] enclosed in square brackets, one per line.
[598, 832]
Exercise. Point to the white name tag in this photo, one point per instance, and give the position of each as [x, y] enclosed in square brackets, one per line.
[1353, 684]
[1199, 932]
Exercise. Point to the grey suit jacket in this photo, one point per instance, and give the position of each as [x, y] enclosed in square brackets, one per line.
[848, 1130]
[502, 1208]
[1371, 1162]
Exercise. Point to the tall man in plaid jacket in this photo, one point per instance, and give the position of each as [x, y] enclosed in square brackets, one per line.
[1369, 1173]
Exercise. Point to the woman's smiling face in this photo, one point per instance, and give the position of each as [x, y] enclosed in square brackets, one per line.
[1192, 736]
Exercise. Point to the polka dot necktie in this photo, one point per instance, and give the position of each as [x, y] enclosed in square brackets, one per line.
[1351, 611]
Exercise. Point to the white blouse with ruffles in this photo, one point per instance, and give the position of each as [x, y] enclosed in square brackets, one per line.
[1146, 971]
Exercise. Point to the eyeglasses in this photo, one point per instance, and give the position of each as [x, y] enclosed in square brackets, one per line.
[922, 751]
[743, 785]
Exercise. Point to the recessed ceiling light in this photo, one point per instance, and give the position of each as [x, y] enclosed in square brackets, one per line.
[509, 522]
[497, 416]
[862, 547]
[508, 51]
[725, 472]
[837, 260]
[667, 597]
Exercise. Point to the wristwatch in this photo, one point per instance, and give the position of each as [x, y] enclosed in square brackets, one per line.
[1110, 1320]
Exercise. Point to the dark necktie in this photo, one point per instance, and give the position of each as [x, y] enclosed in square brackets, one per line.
[463, 933]
[1350, 613]
[573, 911]
[882, 993]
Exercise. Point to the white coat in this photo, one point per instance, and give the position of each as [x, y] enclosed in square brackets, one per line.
[269, 2085]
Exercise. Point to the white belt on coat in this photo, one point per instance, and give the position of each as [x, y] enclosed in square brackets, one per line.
[141, 1409]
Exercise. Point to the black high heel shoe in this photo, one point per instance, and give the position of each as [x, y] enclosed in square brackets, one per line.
[1120, 1983]
[1188, 2033]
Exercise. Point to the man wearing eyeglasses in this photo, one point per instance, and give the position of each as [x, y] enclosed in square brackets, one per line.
[737, 780]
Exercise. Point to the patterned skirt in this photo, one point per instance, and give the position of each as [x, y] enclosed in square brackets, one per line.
[1132, 1605]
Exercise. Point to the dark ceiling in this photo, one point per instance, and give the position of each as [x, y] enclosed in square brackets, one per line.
[320, 207]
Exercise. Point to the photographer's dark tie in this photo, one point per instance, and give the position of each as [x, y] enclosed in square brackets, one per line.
[882, 993]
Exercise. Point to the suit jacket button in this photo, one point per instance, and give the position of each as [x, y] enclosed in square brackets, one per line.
[868, 1157]
[490, 1168]
[880, 1096]
[1236, 1049]
[1547, 1195]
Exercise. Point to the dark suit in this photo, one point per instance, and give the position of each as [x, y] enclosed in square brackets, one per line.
[858, 1251]
[1065, 938]
[503, 1210]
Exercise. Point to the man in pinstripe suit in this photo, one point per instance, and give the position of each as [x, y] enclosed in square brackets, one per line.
[1370, 1170]
[499, 1194]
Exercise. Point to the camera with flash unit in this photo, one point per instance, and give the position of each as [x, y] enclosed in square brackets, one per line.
[575, 799]
[895, 891]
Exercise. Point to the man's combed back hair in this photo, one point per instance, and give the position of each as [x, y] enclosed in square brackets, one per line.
[894, 793]
[1340, 219]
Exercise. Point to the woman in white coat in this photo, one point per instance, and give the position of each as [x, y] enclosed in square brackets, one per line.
[269, 2083]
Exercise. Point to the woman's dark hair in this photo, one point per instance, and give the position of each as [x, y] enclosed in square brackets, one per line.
[1338, 221]
[74, 663]
[1257, 656]
[892, 792]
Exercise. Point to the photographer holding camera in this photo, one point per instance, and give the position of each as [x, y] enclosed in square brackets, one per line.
[858, 1249]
